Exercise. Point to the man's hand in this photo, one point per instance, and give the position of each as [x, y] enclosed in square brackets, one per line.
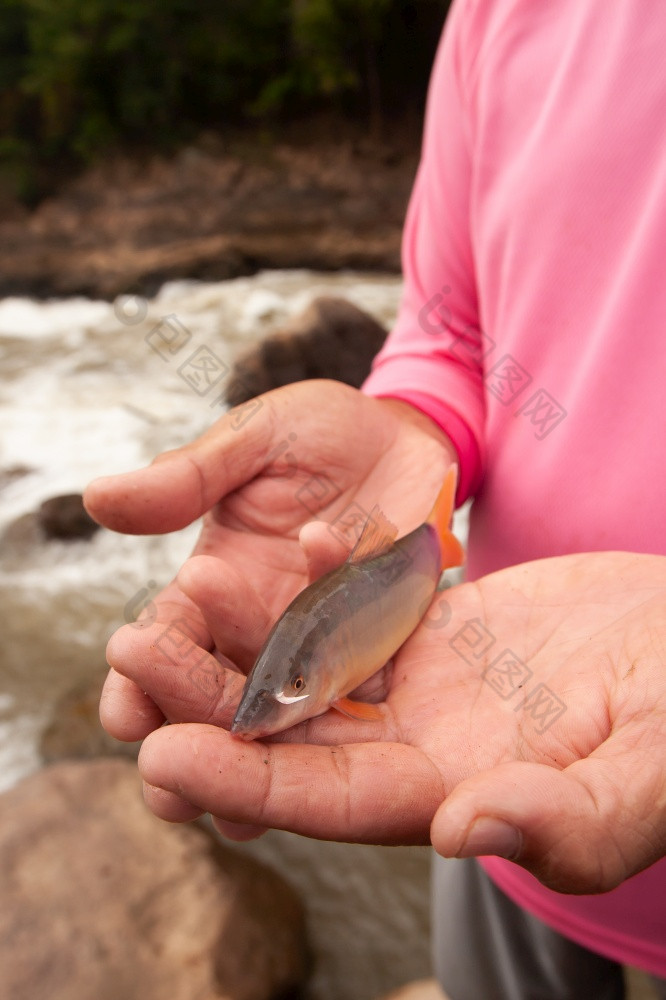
[564, 772]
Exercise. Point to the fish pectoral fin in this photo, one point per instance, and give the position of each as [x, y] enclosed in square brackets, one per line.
[358, 710]
[377, 537]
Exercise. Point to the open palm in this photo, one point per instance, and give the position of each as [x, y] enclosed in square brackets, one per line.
[536, 696]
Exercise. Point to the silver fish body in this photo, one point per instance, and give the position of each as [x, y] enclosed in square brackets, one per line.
[338, 632]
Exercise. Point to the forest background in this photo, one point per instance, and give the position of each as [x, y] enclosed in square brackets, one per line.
[81, 77]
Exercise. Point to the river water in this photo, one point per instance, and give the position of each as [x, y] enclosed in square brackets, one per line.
[91, 388]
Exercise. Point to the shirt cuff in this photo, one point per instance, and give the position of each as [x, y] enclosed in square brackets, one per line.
[449, 421]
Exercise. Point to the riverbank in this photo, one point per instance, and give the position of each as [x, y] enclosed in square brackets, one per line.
[321, 195]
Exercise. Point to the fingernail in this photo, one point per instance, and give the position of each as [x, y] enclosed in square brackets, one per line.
[491, 836]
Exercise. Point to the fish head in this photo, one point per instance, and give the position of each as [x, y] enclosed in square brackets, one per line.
[284, 688]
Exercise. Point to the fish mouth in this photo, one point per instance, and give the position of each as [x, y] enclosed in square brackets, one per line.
[256, 715]
[262, 713]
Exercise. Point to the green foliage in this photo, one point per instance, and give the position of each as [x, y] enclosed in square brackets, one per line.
[340, 51]
[77, 76]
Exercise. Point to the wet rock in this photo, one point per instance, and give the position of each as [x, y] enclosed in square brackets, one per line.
[66, 518]
[12, 473]
[421, 989]
[21, 535]
[332, 338]
[75, 731]
[101, 899]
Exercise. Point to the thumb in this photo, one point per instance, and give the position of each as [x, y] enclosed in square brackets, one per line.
[322, 549]
[581, 830]
[181, 485]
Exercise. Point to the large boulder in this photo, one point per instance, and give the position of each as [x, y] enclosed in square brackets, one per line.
[332, 338]
[101, 900]
[75, 730]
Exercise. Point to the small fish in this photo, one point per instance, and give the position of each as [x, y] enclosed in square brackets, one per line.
[345, 626]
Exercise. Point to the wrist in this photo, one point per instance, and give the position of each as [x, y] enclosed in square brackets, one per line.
[407, 412]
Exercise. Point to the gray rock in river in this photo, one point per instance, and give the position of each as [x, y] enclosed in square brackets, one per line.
[75, 731]
[10, 474]
[101, 899]
[65, 517]
[332, 338]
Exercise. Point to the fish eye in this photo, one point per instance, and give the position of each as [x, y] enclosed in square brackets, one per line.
[298, 682]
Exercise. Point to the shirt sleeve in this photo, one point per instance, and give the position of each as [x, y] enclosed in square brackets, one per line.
[432, 359]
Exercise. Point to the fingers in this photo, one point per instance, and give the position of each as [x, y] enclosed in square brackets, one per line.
[167, 670]
[168, 806]
[376, 688]
[164, 497]
[234, 612]
[584, 829]
[367, 793]
[126, 712]
[183, 484]
[322, 415]
[240, 832]
[185, 681]
[174, 809]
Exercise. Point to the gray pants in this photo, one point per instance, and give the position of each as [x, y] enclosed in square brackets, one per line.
[487, 948]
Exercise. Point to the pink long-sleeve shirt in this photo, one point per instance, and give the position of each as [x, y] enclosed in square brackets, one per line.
[533, 321]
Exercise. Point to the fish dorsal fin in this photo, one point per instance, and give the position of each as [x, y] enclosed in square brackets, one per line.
[376, 538]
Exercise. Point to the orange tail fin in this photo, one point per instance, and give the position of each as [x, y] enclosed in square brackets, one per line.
[440, 516]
